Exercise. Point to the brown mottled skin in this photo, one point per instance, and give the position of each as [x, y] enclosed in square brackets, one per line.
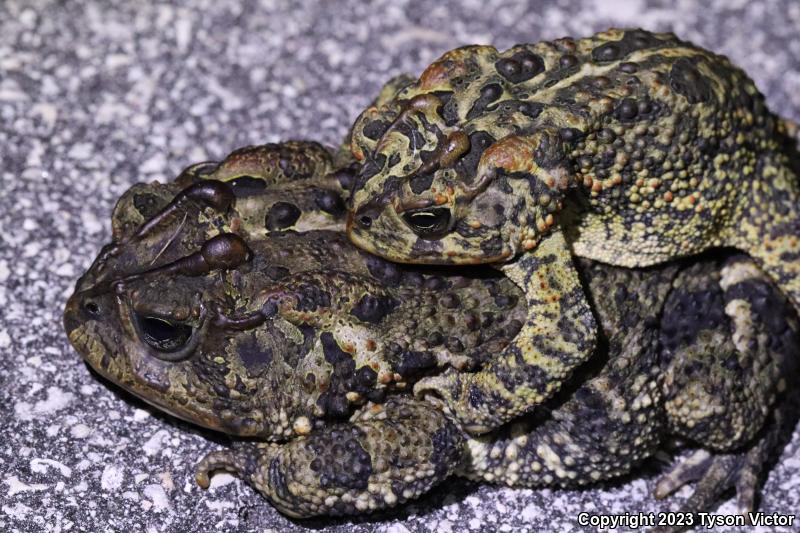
[210, 306]
[629, 147]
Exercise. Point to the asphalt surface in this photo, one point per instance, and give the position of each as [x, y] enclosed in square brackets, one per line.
[97, 96]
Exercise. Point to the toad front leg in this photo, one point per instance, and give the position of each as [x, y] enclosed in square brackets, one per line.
[558, 335]
[385, 455]
[507, 214]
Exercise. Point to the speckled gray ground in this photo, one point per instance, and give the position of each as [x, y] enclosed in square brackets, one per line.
[94, 99]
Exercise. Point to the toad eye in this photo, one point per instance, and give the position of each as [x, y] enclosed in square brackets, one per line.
[428, 223]
[162, 335]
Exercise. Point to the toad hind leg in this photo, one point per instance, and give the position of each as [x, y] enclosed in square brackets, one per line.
[724, 377]
[385, 455]
[716, 473]
[729, 351]
[558, 335]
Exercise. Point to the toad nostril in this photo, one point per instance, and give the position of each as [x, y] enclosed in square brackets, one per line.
[92, 308]
[367, 214]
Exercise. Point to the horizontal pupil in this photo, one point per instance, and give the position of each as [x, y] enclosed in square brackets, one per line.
[163, 335]
[427, 220]
[158, 329]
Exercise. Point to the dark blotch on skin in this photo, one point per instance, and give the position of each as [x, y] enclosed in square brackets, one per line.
[520, 67]
[415, 138]
[421, 182]
[414, 362]
[372, 308]
[571, 135]
[253, 355]
[530, 109]
[309, 338]
[489, 94]
[512, 328]
[371, 167]
[423, 247]
[689, 313]
[446, 443]
[282, 215]
[450, 112]
[475, 396]
[334, 401]
[606, 52]
[466, 166]
[346, 176]
[465, 230]
[336, 405]
[391, 186]
[383, 270]
[375, 129]
[686, 80]
[568, 61]
[505, 300]
[329, 201]
[631, 41]
[549, 153]
[365, 379]
[767, 303]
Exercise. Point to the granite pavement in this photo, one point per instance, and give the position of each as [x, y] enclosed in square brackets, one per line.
[96, 96]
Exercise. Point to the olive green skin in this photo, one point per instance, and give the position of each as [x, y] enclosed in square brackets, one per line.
[311, 346]
[628, 147]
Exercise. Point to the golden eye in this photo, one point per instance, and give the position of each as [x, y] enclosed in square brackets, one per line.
[428, 223]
